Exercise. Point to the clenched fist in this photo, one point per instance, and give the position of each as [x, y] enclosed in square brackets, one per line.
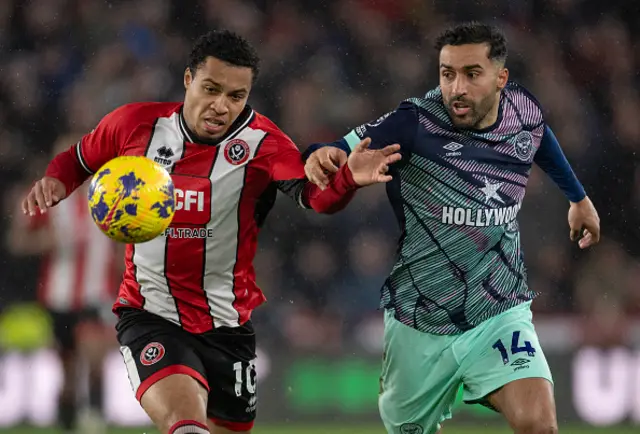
[584, 220]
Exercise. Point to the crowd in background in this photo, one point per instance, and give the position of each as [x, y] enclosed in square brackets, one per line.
[328, 66]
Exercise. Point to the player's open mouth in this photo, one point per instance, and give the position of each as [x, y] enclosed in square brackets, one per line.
[460, 108]
[213, 126]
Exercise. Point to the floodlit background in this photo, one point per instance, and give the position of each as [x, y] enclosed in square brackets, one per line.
[329, 66]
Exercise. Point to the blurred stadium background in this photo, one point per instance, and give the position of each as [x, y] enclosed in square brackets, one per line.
[328, 66]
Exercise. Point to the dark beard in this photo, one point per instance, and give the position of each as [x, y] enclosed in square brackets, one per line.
[477, 113]
[471, 115]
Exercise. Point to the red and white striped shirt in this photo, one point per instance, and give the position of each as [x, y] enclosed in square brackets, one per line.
[80, 270]
[200, 274]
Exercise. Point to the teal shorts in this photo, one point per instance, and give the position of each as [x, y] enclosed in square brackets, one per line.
[422, 372]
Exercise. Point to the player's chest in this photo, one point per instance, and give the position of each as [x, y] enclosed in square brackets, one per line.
[516, 150]
[206, 177]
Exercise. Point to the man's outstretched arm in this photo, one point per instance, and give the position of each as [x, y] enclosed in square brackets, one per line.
[397, 127]
[332, 199]
[364, 167]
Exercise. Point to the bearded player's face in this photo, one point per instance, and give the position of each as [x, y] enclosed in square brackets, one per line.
[215, 96]
[471, 84]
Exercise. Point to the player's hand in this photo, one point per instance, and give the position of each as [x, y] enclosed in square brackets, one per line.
[44, 194]
[369, 167]
[584, 219]
[323, 163]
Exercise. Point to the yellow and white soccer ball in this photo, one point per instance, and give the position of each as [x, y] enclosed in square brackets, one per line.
[131, 199]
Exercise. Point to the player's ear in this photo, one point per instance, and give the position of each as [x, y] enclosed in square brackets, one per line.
[503, 77]
[188, 78]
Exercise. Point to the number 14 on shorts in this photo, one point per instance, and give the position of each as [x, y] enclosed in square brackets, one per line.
[515, 347]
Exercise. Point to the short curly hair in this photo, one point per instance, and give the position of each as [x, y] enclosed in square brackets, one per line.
[226, 46]
[475, 33]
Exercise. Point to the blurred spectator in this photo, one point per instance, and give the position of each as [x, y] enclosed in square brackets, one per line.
[76, 284]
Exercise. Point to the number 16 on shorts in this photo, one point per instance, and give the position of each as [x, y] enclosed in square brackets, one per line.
[515, 347]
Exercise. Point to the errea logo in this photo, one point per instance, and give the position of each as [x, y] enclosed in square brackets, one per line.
[164, 155]
[453, 149]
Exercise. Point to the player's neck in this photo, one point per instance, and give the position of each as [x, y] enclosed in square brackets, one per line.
[191, 135]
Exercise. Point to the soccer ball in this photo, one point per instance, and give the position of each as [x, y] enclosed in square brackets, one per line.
[131, 199]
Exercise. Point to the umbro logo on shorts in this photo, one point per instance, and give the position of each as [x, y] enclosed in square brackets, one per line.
[520, 364]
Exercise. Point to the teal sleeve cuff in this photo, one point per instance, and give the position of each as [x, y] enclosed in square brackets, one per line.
[352, 139]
